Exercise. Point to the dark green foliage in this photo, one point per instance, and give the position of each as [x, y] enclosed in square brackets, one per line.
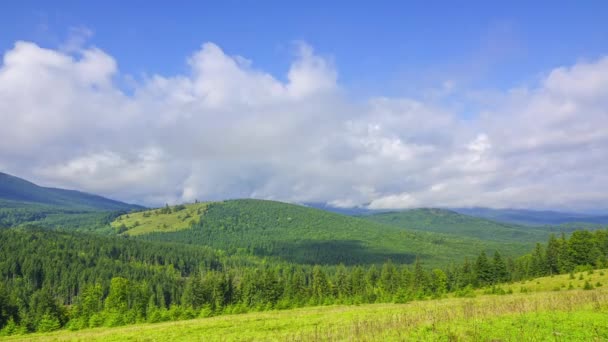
[305, 235]
[93, 280]
[500, 273]
[451, 222]
[546, 220]
[16, 213]
[483, 270]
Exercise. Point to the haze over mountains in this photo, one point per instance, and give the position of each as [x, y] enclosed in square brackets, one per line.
[19, 190]
[286, 231]
[515, 216]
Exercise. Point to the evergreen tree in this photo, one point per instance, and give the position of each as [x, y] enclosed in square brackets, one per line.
[483, 270]
[320, 284]
[499, 268]
[553, 253]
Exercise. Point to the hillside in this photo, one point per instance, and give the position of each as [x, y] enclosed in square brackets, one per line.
[535, 217]
[568, 315]
[451, 222]
[168, 219]
[17, 190]
[23, 202]
[306, 235]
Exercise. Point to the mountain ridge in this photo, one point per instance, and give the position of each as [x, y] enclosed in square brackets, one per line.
[19, 190]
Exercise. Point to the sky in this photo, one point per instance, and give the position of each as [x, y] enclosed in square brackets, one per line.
[383, 105]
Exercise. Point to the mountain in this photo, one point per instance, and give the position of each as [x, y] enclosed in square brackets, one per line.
[451, 222]
[302, 234]
[25, 203]
[352, 211]
[534, 217]
[17, 191]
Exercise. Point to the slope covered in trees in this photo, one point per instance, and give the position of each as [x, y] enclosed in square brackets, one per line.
[311, 236]
[22, 202]
[451, 222]
[536, 217]
[19, 190]
[53, 279]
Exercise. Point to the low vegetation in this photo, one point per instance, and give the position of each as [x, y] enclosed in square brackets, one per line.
[167, 219]
[53, 280]
[574, 315]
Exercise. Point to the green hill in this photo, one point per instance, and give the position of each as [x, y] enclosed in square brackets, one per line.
[304, 235]
[541, 218]
[451, 222]
[18, 190]
[23, 202]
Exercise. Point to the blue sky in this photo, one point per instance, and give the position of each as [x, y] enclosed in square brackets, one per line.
[379, 47]
[386, 104]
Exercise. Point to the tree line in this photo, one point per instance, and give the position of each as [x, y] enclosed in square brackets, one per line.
[53, 279]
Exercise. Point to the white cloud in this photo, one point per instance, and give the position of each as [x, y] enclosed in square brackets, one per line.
[226, 129]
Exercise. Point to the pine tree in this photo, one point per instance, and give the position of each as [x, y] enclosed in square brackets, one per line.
[553, 251]
[499, 269]
[320, 284]
[483, 270]
[389, 280]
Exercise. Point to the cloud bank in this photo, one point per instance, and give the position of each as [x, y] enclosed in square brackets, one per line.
[226, 129]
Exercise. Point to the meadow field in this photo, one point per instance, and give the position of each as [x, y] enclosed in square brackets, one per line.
[556, 308]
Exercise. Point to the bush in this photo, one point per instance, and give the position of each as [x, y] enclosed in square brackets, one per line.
[48, 323]
[10, 328]
[466, 292]
[115, 319]
[206, 311]
[587, 286]
[96, 320]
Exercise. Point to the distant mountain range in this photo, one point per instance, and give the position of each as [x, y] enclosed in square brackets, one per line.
[512, 216]
[14, 190]
[533, 217]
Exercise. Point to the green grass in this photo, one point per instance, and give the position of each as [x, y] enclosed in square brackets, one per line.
[149, 221]
[561, 282]
[575, 315]
[309, 236]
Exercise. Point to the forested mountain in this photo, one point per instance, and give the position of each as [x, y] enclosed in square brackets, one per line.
[19, 191]
[535, 217]
[451, 222]
[211, 258]
[23, 202]
[305, 235]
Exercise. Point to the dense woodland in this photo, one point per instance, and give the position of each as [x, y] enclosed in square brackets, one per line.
[14, 214]
[305, 235]
[53, 279]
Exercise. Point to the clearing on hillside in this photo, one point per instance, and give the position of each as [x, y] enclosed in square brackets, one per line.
[167, 219]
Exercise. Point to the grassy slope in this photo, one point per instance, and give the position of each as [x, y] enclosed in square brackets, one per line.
[149, 221]
[306, 235]
[451, 222]
[569, 315]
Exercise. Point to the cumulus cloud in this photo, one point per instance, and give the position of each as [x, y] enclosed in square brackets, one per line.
[226, 129]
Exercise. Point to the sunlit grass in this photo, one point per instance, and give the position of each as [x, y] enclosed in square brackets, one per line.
[154, 220]
[536, 315]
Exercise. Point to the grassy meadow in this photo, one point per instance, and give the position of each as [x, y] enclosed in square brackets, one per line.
[148, 221]
[540, 312]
